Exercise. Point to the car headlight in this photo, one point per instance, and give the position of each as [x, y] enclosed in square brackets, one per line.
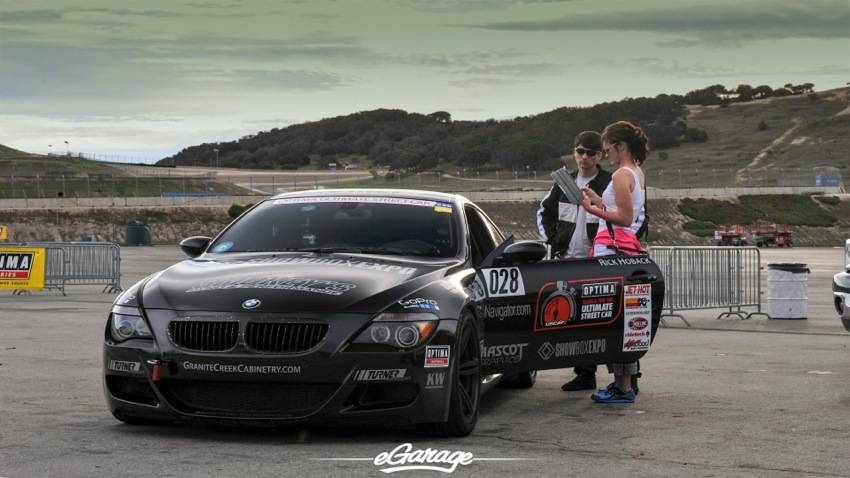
[127, 323]
[399, 330]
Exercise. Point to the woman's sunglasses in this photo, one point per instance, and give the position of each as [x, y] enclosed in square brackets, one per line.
[586, 152]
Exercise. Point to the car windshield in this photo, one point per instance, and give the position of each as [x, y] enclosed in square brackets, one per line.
[366, 225]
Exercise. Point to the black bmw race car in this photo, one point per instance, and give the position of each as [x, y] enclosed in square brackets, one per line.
[389, 306]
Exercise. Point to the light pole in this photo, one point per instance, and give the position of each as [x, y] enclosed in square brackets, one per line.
[67, 148]
[216, 157]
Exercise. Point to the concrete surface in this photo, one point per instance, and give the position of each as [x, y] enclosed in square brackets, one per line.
[726, 398]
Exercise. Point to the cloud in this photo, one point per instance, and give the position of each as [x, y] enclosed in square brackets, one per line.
[719, 25]
[462, 6]
[515, 69]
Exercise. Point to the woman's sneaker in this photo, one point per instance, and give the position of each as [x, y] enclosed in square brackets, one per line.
[613, 394]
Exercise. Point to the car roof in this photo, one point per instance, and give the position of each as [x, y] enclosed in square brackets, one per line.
[393, 193]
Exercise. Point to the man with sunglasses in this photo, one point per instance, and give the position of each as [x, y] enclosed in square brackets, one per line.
[567, 227]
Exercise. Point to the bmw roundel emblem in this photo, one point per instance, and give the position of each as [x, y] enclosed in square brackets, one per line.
[251, 304]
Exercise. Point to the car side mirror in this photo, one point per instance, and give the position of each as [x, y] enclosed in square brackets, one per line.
[194, 246]
[524, 252]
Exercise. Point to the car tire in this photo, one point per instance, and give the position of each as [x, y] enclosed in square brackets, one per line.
[465, 383]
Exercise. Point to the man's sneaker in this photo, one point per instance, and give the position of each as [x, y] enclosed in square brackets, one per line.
[580, 382]
[613, 394]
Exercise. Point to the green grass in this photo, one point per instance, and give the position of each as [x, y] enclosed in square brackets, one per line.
[700, 228]
[797, 210]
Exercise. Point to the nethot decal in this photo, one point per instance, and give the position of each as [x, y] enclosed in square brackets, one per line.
[317, 286]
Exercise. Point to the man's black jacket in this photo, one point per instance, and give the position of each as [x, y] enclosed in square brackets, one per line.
[556, 217]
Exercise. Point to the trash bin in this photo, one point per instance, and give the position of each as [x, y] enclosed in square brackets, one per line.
[787, 291]
[138, 233]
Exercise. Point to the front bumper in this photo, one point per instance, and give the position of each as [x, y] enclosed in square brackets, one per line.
[155, 380]
[841, 297]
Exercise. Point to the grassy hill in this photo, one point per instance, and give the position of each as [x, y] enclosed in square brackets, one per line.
[801, 136]
[19, 163]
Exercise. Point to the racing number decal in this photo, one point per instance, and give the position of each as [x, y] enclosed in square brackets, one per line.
[503, 282]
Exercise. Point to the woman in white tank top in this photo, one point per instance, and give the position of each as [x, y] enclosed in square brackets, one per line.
[623, 205]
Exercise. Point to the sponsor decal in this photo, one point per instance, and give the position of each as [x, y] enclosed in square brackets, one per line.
[121, 366]
[316, 286]
[22, 268]
[637, 303]
[365, 199]
[504, 311]
[405, 458]
[419, 303]
[579, 303]
[16, 265]
[638, 323]
[385, 375]
[558, 310]
[624, 261]
[502, 354]
[437, 356]
[477, 290]
[503, 282]
[435, 380]
[4, 232]
[443, 207]
[327, 261]
[242, 368]
[571, 349]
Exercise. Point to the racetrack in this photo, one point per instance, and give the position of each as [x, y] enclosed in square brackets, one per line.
[728, 398]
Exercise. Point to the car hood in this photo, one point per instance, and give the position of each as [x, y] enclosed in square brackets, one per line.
[288, 283]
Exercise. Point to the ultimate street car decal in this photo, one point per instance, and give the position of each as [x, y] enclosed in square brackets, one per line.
[317, 286]
[578, 303]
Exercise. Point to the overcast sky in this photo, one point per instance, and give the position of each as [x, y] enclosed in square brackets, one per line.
[145, 79]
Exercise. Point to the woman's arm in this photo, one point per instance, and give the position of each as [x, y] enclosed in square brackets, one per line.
[624, 215]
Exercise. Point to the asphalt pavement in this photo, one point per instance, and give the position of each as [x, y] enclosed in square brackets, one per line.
[724, 398]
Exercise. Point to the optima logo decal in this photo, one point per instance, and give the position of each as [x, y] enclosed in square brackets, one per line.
[16, 265]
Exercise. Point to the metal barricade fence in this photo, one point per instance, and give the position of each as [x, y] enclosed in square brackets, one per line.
[710, 278]
[80, 263]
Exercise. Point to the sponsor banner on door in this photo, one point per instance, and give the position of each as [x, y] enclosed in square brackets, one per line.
[637, 317]
[22, 268]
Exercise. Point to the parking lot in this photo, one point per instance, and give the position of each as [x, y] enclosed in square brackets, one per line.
[724, 398]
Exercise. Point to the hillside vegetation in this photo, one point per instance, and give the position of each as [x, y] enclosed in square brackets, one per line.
[756, 136]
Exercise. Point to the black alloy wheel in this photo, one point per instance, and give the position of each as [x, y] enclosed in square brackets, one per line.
[466, 385]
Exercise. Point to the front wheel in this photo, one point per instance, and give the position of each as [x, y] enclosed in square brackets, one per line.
[465, 385]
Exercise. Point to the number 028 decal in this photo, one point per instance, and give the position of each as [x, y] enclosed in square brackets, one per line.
[503, 281]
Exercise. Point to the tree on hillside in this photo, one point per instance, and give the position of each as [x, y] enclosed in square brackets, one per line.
[762, 91]
[441, 117]
[745, 92]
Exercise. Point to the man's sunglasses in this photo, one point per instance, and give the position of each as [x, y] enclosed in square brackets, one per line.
[588, 152]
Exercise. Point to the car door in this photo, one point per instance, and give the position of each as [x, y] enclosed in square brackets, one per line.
[562, 313]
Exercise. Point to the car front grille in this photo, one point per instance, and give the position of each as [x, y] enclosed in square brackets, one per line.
[276, 337]
[247, 399]
[207, 336]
